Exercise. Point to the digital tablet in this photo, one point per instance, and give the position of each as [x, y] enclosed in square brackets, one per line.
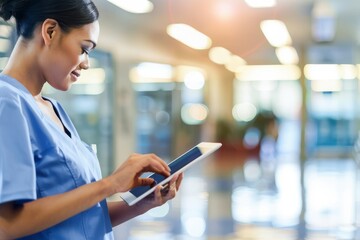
[178, 165]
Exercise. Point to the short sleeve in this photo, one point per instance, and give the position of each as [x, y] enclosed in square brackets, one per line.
[17, 167]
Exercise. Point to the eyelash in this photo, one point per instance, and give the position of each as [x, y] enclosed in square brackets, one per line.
[84, 50]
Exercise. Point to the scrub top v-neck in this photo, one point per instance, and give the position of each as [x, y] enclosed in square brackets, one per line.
[39, 159]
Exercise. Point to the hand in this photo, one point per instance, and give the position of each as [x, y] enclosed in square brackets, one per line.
[161, 194]
[128, 175]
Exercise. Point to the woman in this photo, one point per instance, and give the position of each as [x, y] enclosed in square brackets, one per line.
[50, 183]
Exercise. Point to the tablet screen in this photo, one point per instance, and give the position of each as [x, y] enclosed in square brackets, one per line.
[180, 164]
[175, 165]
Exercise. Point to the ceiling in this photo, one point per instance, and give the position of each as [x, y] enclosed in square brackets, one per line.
[230, 24]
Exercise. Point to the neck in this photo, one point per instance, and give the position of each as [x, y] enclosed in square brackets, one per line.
[23, 66]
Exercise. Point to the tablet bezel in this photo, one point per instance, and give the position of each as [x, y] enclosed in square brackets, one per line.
[206, 148]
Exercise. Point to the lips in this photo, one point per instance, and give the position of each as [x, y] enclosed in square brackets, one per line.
[76, 73]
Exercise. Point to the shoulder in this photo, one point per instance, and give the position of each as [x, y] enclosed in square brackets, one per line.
[11, 88]
[15, 97]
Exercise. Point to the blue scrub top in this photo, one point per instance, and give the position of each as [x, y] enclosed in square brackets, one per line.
[38, 159]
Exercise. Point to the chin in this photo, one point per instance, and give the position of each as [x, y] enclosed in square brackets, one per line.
[64, 87]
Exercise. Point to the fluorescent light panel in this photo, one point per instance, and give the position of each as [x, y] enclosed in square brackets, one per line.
[276, 33]
[134, 6]
[269, 73]
[219, 55]
[235, 63]
[329, 72]
[287, 55]
[189, 36]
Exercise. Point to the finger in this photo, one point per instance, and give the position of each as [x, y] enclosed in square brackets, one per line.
[165, 189]
[163, 163]
[174, 179]
[146, 181]
[179, 180]
[158, 195]
[156, 164]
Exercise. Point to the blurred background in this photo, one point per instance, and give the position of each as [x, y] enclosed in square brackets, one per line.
[275, 81]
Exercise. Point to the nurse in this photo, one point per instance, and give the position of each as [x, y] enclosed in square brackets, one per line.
[50, 182]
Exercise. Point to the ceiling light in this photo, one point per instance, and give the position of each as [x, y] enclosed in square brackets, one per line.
[269, 73]
[326, 72]
[235, 62]
[287, 55]
[261, 3]
[219, 55]
[189, 36]
[330, 72]
[134, 6]
[276, 33]
[348, 71]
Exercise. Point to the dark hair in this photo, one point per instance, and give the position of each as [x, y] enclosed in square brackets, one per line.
[29, 13]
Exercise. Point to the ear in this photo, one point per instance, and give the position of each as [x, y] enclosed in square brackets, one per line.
[49, 28]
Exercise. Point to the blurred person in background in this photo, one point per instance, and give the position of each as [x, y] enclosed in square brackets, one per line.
[265, 127]
[50, 182]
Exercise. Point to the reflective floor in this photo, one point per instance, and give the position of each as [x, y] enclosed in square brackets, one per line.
[255, 201]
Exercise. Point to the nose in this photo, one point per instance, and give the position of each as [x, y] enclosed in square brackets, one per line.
[85, 64]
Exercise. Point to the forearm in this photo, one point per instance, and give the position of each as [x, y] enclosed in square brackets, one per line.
[120, 212]
[40, 214]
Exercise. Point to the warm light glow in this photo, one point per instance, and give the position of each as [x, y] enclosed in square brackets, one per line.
[276, 33]
[194, 80]
[189, 36]
[269, 72]
[349, 71]
[261, 3]
[134, 6]
[219, 55]
[148, 72]
[234, 63]
[244, 112]
[194, 114]
[322, 72]
[287, 55]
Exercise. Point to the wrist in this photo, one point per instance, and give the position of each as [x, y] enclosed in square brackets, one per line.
[107, 186]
